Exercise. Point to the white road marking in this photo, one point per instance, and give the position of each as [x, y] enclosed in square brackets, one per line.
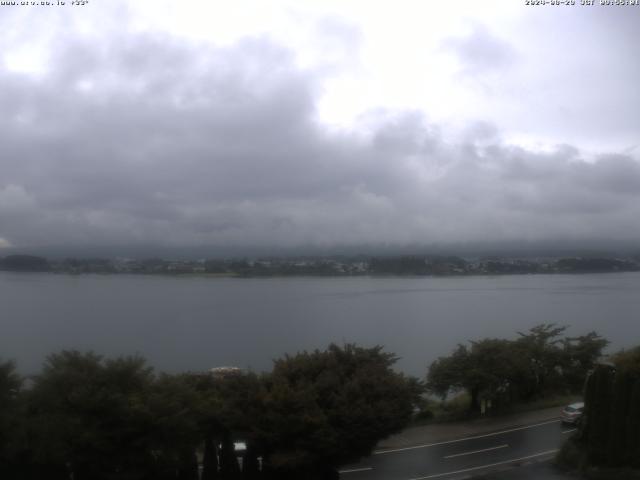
[354, 470]
[477, 451]
[381, 452]
[569, 431]
[548, 452]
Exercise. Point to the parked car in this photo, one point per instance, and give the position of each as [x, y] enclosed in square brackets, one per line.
[572, 413]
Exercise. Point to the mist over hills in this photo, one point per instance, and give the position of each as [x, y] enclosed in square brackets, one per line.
[524, 249]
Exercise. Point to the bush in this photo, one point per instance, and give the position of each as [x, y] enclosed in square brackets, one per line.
[572, 456]
[424, 415]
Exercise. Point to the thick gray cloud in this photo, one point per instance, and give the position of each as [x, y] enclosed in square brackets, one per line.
[147, 138]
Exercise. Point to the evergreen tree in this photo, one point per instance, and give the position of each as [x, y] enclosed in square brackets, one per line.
[326, 408]
[11, 422]
[597, 411]
[210, 460]
[611, 427]
[229, 467]
[632, 457]
[250, 465]
[540, 362]
[188, 469]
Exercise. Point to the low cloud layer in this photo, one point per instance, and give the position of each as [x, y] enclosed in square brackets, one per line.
[147, 138]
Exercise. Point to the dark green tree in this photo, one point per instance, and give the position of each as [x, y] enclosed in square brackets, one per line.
[230, 406]
[250, 464]
[89, 416]
[610, 433]
[229, 466]
[507, 371]
[11, 421]
[628, 360]
[579, 358]
[176, 410]
[486, 371]
[210, 459]
[541, 346]
[598, 400]
[447, 374]
[627, 363]
[326, 408]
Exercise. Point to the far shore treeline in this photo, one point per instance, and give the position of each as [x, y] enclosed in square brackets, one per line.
[405, 265]
[84, 416]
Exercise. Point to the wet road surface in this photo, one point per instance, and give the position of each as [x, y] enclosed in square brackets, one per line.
[463, 457]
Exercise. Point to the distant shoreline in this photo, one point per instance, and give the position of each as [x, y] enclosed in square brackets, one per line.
[364, 275]
[393, 266]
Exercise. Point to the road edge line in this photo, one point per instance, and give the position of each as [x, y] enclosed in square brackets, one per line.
[354, 470]
[455, 455]
[505, 462]
[457, 440]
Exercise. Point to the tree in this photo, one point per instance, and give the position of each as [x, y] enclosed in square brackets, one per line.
[229, 467]
[507, 371]
[240, 397]
[230, 405]
[627, 363]
[541, 346]
[88, 416]
[177, 410]
[486, 371]
[610, 433]
[447, 374]
[580, 357]
[10, 420]
[628, 360]
[250, 465]
[325, 408]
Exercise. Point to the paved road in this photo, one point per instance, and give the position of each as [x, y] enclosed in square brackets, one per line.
[463, 457]
[537, 471]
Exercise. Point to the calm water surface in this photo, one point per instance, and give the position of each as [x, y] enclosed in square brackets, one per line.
[190, 323]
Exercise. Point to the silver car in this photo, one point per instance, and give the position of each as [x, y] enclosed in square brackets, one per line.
[572, 413]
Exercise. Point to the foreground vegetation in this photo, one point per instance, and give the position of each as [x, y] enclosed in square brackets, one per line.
[87, 417]
[607, 444]
[500, 374]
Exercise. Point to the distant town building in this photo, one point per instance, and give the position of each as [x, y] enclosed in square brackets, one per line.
[225, 371]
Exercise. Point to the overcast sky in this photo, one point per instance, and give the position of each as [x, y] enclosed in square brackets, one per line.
[318, 123]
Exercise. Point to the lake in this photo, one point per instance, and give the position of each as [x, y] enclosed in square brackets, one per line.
[195, 323]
